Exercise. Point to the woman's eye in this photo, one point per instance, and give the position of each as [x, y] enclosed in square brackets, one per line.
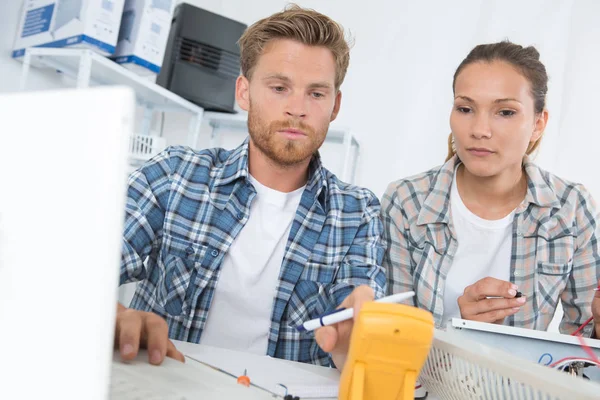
[507, 113]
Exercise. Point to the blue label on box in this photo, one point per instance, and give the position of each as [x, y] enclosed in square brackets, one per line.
[37, 21]
[139, 61]
[18, 53]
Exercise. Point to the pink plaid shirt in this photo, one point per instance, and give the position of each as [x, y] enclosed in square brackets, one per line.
[555, 251]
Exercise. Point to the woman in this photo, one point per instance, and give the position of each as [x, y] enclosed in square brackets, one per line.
[469, 235]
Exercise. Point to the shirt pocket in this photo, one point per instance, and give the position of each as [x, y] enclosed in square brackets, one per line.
[554, 261]
[309, 300]
[551, 281]
[310, 297]
[555, 243]
[306, 298]
[181, 260]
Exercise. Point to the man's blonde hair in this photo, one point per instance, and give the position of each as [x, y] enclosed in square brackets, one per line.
[306, 26]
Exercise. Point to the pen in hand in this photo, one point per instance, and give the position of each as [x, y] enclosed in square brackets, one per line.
[343, 314]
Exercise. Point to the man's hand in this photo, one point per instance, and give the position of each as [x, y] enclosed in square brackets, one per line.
[139, 329]
[475, 305]
[596, 312]
[335, 339]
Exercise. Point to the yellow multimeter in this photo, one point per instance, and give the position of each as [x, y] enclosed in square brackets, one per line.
[388, 348]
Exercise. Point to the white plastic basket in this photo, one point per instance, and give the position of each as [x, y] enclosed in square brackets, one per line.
[144, 147]
[461, 370]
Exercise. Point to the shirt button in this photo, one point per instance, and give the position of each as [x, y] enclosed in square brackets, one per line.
[189, 251]
[519, 233]
[517, 273]
[214, 253]
[240, 216]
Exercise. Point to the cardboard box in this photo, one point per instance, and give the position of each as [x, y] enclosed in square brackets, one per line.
[92, 24]
[145, 26]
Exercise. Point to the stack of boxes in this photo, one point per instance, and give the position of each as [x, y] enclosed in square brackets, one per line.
[132, 32]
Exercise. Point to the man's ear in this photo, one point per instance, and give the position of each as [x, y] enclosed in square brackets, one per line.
[336, 105]
[242, 92]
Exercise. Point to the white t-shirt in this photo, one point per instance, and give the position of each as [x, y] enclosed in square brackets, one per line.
[240, 313]
[484, 249]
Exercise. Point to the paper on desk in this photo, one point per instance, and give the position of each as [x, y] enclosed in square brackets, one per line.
[174, 380]
[302, 380]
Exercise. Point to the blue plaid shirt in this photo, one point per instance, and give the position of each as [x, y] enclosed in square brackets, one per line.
[184, 210]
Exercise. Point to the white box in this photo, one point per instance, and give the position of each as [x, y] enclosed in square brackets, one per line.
[90, 24]
[145, 26]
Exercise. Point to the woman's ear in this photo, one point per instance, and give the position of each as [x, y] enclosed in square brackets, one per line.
[541, 120]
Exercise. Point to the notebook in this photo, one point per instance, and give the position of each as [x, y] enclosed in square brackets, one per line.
[173, 380]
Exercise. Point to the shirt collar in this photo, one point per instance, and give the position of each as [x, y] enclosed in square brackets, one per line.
[539, 192]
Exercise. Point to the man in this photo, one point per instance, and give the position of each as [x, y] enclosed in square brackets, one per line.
[243, 245]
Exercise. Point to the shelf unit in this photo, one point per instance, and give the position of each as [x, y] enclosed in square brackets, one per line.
[220, 122]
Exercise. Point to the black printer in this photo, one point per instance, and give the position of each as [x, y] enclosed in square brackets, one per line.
[202, 58]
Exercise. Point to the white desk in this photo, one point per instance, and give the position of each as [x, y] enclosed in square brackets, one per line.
[178, 381]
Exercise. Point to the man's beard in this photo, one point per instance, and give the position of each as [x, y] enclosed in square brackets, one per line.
[282, 151]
